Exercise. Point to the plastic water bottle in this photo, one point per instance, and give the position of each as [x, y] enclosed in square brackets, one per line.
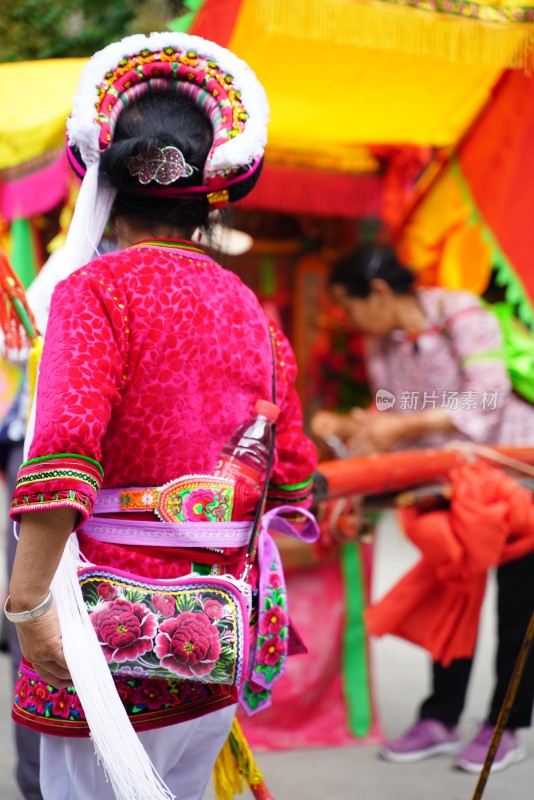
[246, 453]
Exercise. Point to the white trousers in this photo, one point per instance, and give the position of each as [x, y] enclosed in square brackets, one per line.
[182, 754]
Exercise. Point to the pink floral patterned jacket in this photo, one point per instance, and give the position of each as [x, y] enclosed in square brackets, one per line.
[153, 356]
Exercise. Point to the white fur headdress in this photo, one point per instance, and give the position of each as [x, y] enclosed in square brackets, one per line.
[220, 82]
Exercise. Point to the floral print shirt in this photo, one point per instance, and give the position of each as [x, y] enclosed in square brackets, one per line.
[455, 364]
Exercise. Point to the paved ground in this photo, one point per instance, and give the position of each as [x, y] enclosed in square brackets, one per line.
[356, 772]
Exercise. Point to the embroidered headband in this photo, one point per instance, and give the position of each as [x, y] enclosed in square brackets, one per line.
[218, 81]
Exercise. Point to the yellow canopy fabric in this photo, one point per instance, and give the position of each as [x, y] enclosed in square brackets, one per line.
[498, 32]
[330, 96]
[339, 75]
[444, 242]
[36, 99]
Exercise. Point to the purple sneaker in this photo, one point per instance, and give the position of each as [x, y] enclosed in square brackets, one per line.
[428, 737]
[509, 751]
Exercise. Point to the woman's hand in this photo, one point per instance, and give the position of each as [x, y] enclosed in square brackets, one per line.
[363, 432]
[375, 432]
[41, 646]
[328, 423]
[366, 433]
[42, 539]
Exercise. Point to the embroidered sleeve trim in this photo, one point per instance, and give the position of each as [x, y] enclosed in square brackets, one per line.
[296, 493]
[62, 481]
[74, 456]
[292, 487]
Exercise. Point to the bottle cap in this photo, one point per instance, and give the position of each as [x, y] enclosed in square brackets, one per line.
[269, 410]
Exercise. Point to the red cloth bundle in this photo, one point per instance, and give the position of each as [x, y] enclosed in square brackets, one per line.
[437, 603]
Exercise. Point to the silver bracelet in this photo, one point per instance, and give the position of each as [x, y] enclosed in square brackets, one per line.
[34, 613]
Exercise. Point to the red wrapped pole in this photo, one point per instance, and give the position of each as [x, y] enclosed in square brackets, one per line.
[261, 792]
[391, 472]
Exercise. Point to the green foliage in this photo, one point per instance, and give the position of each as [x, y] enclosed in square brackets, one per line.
[185, 602]
[34, 29]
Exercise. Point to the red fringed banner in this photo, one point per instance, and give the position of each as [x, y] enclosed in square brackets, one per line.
[16, 319]
[293, 190]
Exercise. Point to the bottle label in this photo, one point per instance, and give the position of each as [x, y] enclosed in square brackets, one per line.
[234, 469]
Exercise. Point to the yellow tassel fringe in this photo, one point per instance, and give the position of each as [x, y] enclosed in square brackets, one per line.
[33, 365]
[388, 25]
[235, 764]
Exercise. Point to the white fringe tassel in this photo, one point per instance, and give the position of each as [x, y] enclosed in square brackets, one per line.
[91, 213]
[125, 761]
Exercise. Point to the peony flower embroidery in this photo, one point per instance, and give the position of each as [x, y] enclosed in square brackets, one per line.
[106, 591]
[40, 696]
[272, 620]
[271, 652]
[125, 630]
[76, 706]
[255, 688]
[164, 604]
[152, 693]
[61, 704]
[213, 609]
[188, 645]
[125, 690]
[182, 693]
[23, 691]
[275, 580]
[196, 503]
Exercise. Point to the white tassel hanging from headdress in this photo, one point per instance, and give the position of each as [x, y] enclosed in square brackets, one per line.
[91, 214]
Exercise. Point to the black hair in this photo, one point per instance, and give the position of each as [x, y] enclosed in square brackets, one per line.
[159, 119]
[357, 269]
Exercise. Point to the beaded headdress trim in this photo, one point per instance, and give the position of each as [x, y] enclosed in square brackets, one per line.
[220, 83]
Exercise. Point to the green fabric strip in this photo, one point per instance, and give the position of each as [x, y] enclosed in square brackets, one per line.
[24, 317]
[22, 251]
[505, 275]
[291, 487]
[201, 569]
[354, 656]
[490, 355]
[184, 22]
[64, 455]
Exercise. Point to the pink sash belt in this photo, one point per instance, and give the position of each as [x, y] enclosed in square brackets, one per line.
[168, 534]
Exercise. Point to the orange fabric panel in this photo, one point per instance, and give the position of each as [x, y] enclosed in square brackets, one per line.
[437, 603]
[215, 20]
[497, 160]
